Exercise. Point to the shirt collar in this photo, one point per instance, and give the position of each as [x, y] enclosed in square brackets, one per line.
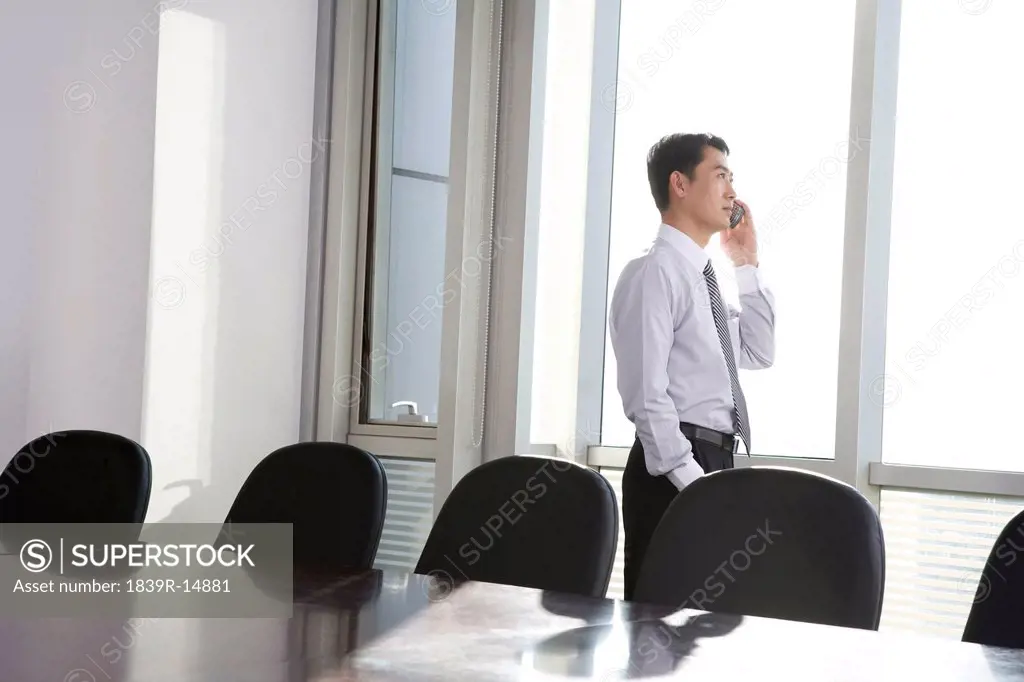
[685, 245]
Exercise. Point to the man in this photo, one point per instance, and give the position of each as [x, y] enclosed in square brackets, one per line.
[677, 345]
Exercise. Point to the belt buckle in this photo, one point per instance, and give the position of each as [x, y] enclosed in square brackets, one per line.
[735, 444]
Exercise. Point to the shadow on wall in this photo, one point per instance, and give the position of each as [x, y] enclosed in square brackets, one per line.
[196, 507]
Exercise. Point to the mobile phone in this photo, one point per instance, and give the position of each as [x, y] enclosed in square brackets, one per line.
[737, 215]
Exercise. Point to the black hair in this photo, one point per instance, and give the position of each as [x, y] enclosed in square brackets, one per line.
[681, 152]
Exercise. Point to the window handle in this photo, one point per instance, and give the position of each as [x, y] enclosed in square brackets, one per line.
[410, 414]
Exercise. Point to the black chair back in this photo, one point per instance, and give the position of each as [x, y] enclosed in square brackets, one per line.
[77, 476]
[539, 522]
[997, 614]
[334, 494]
[769, 541]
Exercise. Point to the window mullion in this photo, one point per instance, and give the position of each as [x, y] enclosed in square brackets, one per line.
[859, 402]
[597, 236]
[470, 243]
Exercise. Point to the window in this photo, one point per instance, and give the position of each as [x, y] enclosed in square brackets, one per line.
[741, 69]
[406, 293]
[568, 46]
[406, 266]
[955, 294]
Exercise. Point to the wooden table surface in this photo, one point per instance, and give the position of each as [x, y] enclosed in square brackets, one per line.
[395, 627]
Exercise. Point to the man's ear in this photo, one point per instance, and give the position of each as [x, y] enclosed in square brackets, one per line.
[677, 184]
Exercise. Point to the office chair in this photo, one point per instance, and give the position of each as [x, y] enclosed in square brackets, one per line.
[334, 494]
[539, 522]
[997, 614]
[77, 476]
[769, 541]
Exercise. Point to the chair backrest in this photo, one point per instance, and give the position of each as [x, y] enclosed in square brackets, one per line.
[77, 476]
[539, 522]
[997, 614]
[769, 541]
[334, 494]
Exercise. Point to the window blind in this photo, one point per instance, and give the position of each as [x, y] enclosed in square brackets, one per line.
[410, 512]
[936, 545]
[616, 584]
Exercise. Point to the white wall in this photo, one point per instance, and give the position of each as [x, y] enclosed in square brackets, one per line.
[154, 230]
[18, 140]
[76, 206]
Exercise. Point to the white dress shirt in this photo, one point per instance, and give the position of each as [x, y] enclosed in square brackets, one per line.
[671, 367]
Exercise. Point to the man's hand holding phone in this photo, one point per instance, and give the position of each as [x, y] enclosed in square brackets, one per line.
[740, 242]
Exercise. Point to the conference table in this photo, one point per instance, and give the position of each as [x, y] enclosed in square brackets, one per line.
[389, 626]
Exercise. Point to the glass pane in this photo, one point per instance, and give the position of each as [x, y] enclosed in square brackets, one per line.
[690, 70]
[408, 284]
[954, 314]
[561, 217]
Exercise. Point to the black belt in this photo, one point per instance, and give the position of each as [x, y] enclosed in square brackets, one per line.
[726, 441]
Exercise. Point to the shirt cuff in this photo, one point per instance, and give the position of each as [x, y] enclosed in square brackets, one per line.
[749, 279]
[685, 475]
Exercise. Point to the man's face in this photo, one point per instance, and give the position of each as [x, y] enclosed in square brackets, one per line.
[707, 199]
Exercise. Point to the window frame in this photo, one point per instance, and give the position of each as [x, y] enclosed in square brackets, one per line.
[312, 337]
[858, 437]
[454, 443]
[865, 242]
[514, 274]
[375, 191]
[377, 178]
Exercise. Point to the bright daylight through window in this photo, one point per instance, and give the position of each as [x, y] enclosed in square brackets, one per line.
[954, 322]
[741, 69]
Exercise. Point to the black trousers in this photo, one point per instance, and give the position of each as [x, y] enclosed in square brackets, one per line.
[645, 499]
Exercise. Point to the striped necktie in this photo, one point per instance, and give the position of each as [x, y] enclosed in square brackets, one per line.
[718, 311]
